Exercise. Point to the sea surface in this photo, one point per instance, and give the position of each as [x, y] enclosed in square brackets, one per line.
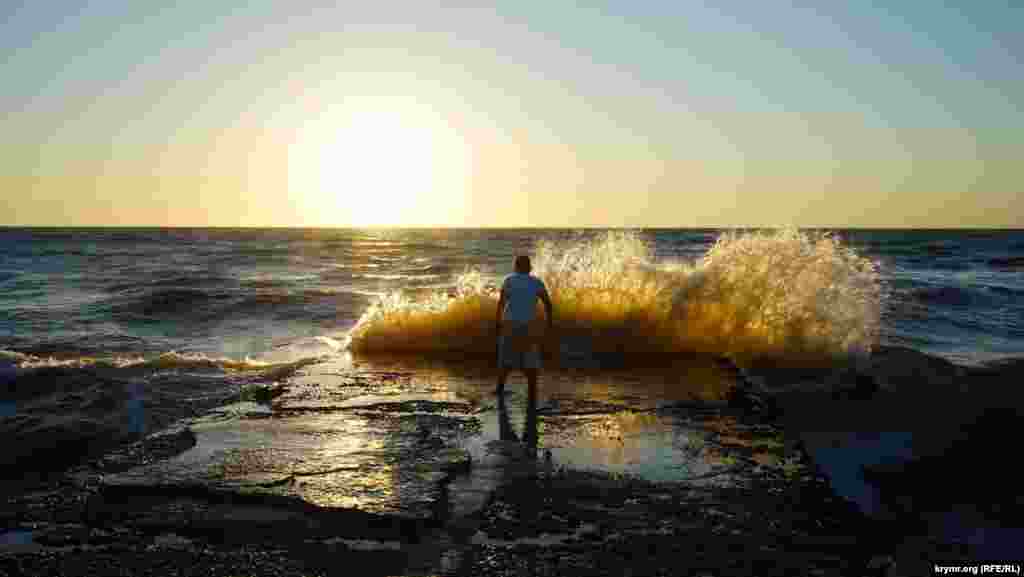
[244, 298]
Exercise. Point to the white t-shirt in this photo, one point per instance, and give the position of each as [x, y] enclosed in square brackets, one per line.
[521, 292]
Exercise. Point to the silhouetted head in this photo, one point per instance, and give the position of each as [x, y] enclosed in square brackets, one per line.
[523, 264]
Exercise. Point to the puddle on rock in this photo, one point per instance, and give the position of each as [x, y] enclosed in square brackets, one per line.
[380, 463]
[610, 423]
[381, 436]
[651, 446]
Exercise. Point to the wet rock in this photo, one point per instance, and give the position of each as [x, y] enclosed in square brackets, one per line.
[33, 384]
[773, 524]
[576, 406]
[1000, 373]
[901, 368]
[851, 384]
[880, 565]
[455, 461]
[53, 443]
[64, 536]
[395, 472]
[417, 406]
[772, 377]
[979, 446]
[156, 447]
[262, 393]
[745, 397]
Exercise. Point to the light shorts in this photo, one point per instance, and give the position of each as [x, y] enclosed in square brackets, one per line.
[516, 350]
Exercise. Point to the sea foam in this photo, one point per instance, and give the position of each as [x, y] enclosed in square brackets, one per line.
[779, 294]
[165, 361]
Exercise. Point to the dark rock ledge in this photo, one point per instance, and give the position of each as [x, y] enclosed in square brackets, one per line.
[785, 520]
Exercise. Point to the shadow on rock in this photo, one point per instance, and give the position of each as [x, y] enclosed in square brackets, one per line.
[974, 470]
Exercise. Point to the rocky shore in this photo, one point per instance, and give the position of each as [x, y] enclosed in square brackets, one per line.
[543, 521]
[771, 510]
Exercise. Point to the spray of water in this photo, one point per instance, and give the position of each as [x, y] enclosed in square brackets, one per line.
[781, 294]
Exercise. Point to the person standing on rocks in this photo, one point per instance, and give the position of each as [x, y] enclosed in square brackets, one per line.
[516, 305]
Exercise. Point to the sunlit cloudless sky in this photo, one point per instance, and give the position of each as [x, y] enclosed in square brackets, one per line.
[635, 114]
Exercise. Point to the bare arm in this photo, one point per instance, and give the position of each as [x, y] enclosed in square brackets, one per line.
[548, 309]
[501, 310]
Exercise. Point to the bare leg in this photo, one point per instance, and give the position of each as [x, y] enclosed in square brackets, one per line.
[505, 431]
[530, 426]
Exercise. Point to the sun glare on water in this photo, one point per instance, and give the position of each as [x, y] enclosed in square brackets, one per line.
[380, 168]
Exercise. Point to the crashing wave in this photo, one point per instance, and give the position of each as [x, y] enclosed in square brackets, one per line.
[784, 294]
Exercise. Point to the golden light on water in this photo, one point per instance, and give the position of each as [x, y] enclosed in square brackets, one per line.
[380, 167]
[784, 294]
[369, 488]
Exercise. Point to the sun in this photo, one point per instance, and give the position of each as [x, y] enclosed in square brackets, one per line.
[380, 168]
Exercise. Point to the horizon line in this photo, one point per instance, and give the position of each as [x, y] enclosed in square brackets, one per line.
[526, 227]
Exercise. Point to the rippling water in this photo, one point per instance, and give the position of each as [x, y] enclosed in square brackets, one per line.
[225, 297]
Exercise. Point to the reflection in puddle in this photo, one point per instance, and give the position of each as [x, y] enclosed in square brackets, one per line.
[8, 408]
[370, 488]
[590, 420]
[319, 442]
[657, 448]
[329, 460]
[608, 423]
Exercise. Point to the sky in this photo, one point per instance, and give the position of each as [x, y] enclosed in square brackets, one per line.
[549, 114]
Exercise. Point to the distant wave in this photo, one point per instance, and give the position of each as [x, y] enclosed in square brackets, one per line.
[1002, 290]
[171, 301]
[212, 304]
[779, 294]
[1011, 263]
[165, 361]
[965, 295]
[947, 295]
[176, 281]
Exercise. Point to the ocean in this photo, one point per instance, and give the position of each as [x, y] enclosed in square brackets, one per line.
[192, 314]
[240, 299]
